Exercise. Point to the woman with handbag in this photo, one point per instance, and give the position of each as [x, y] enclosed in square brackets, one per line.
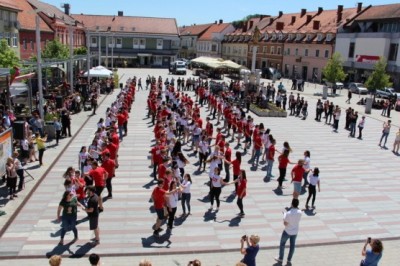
[11, 177]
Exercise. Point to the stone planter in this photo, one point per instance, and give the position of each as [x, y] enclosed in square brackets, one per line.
[272, 111]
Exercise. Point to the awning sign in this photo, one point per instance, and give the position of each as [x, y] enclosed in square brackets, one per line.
[368, 59]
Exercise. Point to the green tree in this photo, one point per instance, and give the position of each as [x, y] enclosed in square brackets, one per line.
[333, 70]
[80, 51]
[55, 50]
[378, 79]
[8, 57]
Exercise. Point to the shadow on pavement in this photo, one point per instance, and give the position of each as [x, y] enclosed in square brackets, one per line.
[151, 240]
[82, 250]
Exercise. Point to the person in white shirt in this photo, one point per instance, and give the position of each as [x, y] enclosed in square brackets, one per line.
[172, 204]
[186, 195]
[291, 220]
[313, 180]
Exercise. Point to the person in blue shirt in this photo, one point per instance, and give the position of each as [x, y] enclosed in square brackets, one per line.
[251, 251]
[372, 254]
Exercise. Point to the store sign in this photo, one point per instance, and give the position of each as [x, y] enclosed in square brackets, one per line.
[368, 59]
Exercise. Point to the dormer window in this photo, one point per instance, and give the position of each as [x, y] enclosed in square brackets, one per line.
[280, 36]
[266, 35]
[274, 36]
[309, 37]
[290, 37]
[328, 37]
[298, 37]
[320, 36]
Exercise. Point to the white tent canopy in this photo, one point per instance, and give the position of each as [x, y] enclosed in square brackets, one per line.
[217, 62]
[99, 72]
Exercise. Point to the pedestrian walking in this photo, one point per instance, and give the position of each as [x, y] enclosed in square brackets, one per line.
[57, 128]
[11, 178]
[216, 186]
[349, 94]
[291, 220]
[373, 254]
[186, 194]
[92, 210]
[385, 133]
[20, 171]
[306, 166]
[82, 156]
[314, 181]
[109, 165]
[69, 207]
[270, 158]
[361, 126]
[396, 143]
[283, 160]
[250, 253]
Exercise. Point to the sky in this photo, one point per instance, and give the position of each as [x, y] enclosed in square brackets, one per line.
[189, 12]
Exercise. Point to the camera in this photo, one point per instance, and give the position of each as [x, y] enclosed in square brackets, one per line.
[244, 237]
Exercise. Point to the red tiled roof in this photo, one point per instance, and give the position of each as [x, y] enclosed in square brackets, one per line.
[51, 11]
[194, 30]
[163, 26]
[27, 17]
[215, 28]
[9, 4]
[381, 12]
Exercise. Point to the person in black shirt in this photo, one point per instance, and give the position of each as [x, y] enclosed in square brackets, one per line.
[93, 213]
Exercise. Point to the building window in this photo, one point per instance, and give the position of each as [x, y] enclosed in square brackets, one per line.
[15, 40]
[326, 53]
[24, 44]
[329, 37]
[32, 45]
[296, 52]
[305, 52]
[135, 43]
[288, 51]
[159, 44]
[278, 50]
[93, 42]
[393, 50]
[111, 42]
[240, 50]
[351, 49]
[7, 37]
[317, 53]
[118, 42]
[214, 47]
[6, 15]
[142, 43]
[272, 50]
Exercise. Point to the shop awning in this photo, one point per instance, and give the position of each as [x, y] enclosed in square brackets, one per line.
[144, 55]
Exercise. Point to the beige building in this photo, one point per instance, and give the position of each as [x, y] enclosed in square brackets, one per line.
[189, 36]
[9, 25]
[210, 42]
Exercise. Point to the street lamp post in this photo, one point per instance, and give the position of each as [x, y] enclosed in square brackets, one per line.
[99, 49]
[88, 58]
[71, 55]
[39, 66]
[112, 51]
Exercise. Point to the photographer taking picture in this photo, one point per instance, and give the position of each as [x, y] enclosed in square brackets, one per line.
[251, 251]
[372, 254]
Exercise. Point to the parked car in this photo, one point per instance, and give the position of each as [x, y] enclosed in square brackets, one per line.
[178, 67]
[358, 88]
[385, 93]
[397, 106]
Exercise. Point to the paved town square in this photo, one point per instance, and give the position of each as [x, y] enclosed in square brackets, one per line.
[359, 197]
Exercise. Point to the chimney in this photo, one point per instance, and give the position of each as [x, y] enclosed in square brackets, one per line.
[221, 21]
[303, 12]
[251, 24]
[279, 25]
[67, 7]
[316, 25]
[293, 20]
[359, 7]
[120, 13]
[244, 26]
[309, 18]
[320, 9]
[280, 14]
[271, 20]
[340, 8]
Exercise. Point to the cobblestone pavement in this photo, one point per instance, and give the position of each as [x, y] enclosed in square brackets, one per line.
[359, 198]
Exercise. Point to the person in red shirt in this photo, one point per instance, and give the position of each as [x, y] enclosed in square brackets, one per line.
[283, 160]
[270, 158]
[99, 176]
[228, 159]
[297, 178]
[126, 114]
[236, 167]
[241, 189]
[109, 166]
[158, 197]
[257, 148]
[156, 157]
[121, 120]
